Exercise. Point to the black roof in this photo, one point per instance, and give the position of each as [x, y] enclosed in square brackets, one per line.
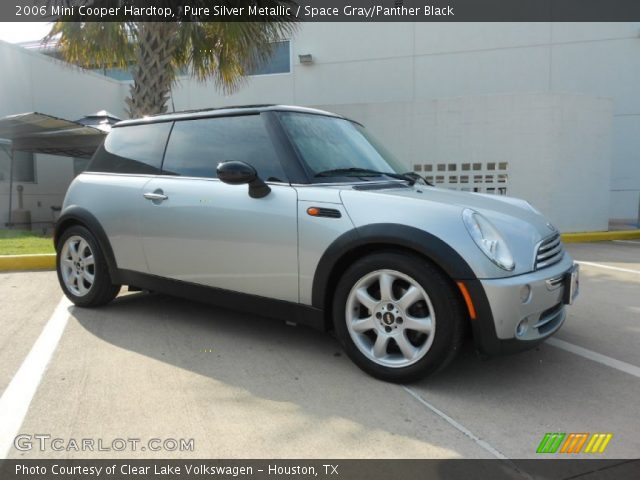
[221, 112]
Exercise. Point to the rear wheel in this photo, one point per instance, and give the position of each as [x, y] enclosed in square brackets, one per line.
[82, 269]
[398, 316]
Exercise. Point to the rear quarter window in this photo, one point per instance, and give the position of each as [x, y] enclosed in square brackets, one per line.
[136, 149]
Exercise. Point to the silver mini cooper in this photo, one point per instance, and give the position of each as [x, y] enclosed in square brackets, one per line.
[300, 214]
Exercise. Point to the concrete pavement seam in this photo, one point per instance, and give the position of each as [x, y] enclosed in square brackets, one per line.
[458, 426]
[468, 433]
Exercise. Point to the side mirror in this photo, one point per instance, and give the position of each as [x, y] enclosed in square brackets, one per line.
[238, 173]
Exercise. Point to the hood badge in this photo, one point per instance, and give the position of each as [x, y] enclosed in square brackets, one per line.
[551, 227]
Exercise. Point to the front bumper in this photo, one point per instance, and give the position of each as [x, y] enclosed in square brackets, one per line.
[502, 309]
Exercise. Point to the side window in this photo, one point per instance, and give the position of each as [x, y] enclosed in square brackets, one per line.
[196, 147]
[134, 149]
[279, 61]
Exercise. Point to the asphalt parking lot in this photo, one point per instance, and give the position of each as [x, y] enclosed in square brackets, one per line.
[153, 367]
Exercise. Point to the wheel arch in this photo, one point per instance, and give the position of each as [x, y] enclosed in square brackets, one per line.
[80, 216]
[357, 243]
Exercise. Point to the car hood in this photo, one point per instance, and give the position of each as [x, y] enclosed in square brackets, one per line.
[439, 211]
[488, 205]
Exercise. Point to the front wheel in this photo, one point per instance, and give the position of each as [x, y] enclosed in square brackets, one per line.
[397, 316]
[82, 269]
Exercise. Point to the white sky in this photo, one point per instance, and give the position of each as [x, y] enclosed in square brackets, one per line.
[17, 32]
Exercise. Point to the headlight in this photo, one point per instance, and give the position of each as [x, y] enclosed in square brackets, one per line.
[488, 239]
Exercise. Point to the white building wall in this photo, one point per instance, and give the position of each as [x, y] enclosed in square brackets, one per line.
[557, 147]
[397, 63]
[400, 62]
[32, 82]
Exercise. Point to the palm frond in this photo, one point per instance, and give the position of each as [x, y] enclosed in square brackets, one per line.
[226, 51]
[94, 44]
[221, 51]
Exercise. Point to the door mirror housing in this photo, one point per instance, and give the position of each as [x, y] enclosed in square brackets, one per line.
[238, 173]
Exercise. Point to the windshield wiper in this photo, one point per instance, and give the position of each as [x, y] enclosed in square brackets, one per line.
[417, 178]
[410, 177]
[337, 172]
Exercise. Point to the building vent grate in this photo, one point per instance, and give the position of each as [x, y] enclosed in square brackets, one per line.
[482, 177]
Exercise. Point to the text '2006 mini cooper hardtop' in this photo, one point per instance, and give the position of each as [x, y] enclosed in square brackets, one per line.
[300, 214]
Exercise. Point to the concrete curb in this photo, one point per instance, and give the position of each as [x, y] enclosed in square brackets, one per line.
[43, 261]
[601, 236]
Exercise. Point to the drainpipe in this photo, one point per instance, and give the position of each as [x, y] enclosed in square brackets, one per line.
[9, 224]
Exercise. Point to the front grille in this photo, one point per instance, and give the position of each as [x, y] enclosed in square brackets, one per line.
[549, 252]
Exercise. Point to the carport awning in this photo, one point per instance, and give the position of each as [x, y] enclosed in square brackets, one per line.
[40, 133]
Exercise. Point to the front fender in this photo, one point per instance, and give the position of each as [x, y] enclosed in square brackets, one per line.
[385, 234]
[340, 254]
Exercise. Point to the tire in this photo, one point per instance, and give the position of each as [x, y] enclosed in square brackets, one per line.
[82, 269]
[412, 330]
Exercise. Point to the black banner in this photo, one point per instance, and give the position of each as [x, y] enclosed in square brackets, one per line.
[321, 10]
[320, 469]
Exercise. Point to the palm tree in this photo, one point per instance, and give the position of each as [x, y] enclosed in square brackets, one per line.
[222, 51]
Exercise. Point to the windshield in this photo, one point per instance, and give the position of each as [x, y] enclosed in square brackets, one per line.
[333, 147]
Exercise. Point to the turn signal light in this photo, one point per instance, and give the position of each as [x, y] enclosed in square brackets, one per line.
[467, 299]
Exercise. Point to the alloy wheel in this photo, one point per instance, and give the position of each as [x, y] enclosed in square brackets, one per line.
[390, 318]
[77, 266]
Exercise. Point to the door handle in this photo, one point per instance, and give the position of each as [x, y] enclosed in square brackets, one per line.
[157, 196]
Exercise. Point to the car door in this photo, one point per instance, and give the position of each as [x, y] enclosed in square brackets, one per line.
[115, 180]
[197, 229]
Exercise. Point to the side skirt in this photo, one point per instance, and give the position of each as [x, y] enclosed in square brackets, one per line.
[261, 306]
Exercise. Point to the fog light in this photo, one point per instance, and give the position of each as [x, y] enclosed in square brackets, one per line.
[522, 327]
[525, 293]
